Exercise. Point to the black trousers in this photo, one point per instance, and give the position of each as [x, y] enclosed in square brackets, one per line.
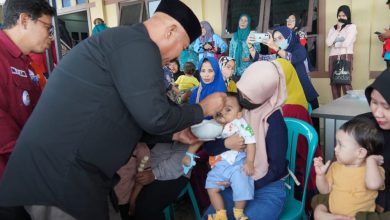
[154, 197]
[14, 213]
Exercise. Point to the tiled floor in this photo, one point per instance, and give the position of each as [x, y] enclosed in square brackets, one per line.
[183, 210]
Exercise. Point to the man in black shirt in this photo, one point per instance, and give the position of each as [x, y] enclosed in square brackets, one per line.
[99, 100]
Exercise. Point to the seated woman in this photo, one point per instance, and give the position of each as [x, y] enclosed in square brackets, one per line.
[261, 92]
[209, 44]
[211, 81]
[228, 66]
[145, 190]
[378, 96]
[189, 55]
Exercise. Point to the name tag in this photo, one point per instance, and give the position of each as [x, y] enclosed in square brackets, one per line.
[18, 72]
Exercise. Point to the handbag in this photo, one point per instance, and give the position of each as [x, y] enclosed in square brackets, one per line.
[341, 74]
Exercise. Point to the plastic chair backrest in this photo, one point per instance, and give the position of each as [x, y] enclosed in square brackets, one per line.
[309, 108]
[295, 128]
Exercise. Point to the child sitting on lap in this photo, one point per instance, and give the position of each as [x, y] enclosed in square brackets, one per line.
[231, 166]
[354, 179]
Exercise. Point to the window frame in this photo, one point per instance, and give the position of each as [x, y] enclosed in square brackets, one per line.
[147, 6]
[128, 3]
[86, 2]
[1, 13]
[224, 9]
[307, 28]
[265, 11]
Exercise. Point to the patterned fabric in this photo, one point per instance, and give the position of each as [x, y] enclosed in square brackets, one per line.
[209, 32]
[238, 48]
[188, 55]
[230, 84]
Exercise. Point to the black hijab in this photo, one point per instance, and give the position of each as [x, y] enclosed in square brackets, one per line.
[381, 84]
[347, 12]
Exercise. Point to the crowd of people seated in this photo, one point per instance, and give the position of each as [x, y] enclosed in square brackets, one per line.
[123, 124]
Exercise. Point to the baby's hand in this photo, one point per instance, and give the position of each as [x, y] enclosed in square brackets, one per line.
[378, 159]
[249, 168]
[319, 165]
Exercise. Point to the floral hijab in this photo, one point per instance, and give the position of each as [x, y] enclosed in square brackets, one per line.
[230, 84]
[208, 37]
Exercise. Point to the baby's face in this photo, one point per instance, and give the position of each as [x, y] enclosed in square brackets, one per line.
[230, 112]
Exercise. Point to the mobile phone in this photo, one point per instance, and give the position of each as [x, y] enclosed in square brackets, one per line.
[377, 32]
[260, 37]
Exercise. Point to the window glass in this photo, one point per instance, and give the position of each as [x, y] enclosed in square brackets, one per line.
[130, 13]
[81, 1]
[1, 16]
[236, 8]
[281, 9]
[152, 6]
[312, 38]
[65, 3]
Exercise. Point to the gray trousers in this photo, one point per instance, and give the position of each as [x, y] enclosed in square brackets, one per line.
[40, 212]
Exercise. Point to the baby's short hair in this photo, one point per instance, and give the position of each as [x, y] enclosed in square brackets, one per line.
[234, 95]
[189, 68]
[366, 133]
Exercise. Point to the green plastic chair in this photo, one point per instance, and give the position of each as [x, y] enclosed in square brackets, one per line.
[169, 211]
[295, 209]
[309, 108]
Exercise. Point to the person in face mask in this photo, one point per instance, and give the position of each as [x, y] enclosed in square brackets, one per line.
[261, 93]
[286, 44]
[340, 40]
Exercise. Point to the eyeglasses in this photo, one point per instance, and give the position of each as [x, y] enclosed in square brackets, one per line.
[49, 27]
[290, 20]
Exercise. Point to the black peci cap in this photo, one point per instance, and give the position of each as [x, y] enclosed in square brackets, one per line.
[183, 14]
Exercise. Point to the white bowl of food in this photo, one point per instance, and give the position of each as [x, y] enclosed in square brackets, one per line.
[207, 130]
[358, 93]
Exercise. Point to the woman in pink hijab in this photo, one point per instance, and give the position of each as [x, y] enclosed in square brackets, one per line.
[261, 92]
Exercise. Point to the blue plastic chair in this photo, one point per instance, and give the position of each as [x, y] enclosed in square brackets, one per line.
[169, 211]
[295, 209]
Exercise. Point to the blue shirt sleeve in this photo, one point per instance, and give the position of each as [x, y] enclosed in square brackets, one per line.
[197, 46]
[220, 43]
[276, 144]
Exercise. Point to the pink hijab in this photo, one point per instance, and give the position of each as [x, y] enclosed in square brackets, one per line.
[263, 83]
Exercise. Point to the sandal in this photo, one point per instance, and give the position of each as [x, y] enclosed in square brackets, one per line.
[192, 157]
